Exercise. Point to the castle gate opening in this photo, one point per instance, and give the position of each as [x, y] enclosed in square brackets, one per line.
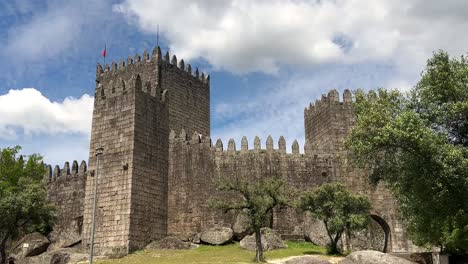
[386, 229]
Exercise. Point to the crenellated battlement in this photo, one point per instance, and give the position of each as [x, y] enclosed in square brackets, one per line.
[328, 121]
[218, 146]
[332, 98]
[145, 60]
[56, 173]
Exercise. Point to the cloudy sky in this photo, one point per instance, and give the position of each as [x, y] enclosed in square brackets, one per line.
[267, 59]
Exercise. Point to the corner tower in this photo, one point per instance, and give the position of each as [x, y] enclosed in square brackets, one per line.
[136, 104]
[328, 122]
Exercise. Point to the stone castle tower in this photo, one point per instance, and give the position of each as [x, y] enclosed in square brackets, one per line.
[136, 105]
[159, 167]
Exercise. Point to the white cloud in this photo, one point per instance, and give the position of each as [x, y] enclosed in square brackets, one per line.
[317, 38]
[30, 112]
[244, 36]
[278, 110]
[52, 30]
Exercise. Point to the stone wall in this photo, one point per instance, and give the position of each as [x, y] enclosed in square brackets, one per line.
[66, 191]
[328, 122]
[149, 176]
[188, 96]
[195, 165]
[135, 106]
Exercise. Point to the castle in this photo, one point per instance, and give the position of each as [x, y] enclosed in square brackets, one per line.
[152, 117]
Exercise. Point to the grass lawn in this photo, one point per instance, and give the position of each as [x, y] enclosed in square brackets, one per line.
[231, 253]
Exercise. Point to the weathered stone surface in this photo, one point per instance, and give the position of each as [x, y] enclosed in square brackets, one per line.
[270, 240]
[196, 238]
[314, 231]
[418, 257]
[153, 186]
[170, 243]
[373, 257]
[241, 226]
[217, 235]
[31, 245]
[184, 237]
[62, 256]
[66, 237]
[307, 260]
[67, 194]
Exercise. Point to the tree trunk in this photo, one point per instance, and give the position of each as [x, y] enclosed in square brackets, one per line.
[334, 244]
[258, 246]
[3, 250]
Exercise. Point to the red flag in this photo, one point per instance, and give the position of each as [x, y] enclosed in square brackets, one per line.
[104, 53]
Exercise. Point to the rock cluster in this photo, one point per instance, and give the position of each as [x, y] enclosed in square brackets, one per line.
[270, 240]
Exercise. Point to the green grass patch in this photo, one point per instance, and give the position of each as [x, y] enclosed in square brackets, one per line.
[231, 253]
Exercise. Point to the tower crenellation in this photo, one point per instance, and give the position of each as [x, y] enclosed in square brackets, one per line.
[156, 58]
[328, 121]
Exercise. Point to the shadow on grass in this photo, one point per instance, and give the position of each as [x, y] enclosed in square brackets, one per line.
[312, 252]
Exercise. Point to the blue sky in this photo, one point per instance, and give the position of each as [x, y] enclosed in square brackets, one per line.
[267, 59]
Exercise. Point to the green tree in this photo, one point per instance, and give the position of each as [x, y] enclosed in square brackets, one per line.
[257, 199]
[417, 144]
[23, 199]
[338, 208]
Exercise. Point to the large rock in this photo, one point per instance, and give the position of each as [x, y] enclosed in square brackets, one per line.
[372, 257]
[270, 240]
[307, 260]
[241, 226]
[170, 243]
[418, 257]
[66, 236]
[217, 235]
[62, 256]
[30, 245]
[314, 230]
[196, 238]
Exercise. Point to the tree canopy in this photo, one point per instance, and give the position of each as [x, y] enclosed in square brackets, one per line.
[416, 143]
[338, 208]
[257, 199]
[23, 198]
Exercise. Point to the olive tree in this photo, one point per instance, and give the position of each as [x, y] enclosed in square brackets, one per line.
[256, 198]
[339, 209]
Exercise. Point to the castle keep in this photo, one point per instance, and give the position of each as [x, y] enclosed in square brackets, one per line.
[151, 116]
